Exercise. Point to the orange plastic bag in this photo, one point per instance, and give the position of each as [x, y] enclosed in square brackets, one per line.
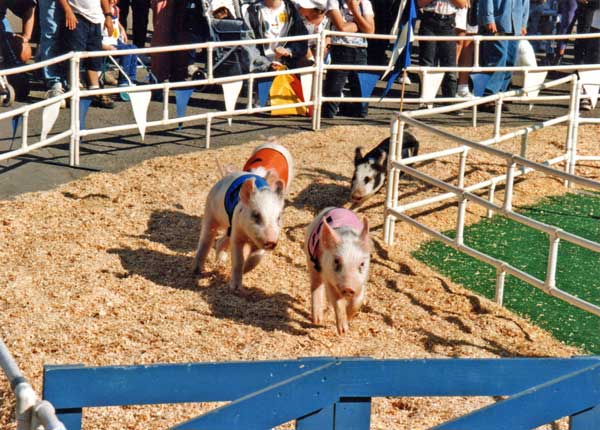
[287, 89]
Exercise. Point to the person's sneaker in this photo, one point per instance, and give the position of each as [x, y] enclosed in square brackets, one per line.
[103, 101]
[464, 92]
[55, 91]
[585, 105]
[110, 78]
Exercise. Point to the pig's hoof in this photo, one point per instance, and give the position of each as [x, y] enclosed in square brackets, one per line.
[317, 320]
[342, 329]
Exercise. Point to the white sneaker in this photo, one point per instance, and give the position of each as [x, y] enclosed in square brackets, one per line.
[585, 105]
[464, 92]
[55, 91]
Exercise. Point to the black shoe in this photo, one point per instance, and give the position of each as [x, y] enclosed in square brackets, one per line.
[491, 107]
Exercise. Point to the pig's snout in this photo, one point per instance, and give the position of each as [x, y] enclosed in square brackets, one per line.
[348, 292]
[270, 245]
[356, 196]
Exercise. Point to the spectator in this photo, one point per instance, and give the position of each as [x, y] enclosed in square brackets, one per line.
[315, 20]
[272, 19]
[50, 46]
[536, 11]
[191, 26]
[352, 16]
[24, 9]
[83, 21]
[118, 41]
[566, 10]
[438, 19]
[222, 9]
[385, 12]
[140, 10]
[466, 25]
[162, 15]
[587, 51]
[501, 17]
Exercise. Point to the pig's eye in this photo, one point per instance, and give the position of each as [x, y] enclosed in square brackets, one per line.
[367, 179]
[337, 265]
[256, 217]
[362, 266]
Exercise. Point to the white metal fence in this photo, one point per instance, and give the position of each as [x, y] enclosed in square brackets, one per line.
[75, 133]
[516, 165]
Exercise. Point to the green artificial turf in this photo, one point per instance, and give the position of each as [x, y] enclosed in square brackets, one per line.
[578, 270]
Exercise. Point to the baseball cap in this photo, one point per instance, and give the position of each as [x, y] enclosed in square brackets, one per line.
[312, 4]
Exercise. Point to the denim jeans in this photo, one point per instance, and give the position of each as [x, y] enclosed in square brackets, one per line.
[439, 53]
[336, 79]
[535, 17]
[86, 36]
[128, 63]
[584, 47]
[51, 14]
[498, 53]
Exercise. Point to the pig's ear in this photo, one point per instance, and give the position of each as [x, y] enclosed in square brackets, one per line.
[278, 186]
[382, 160]
[364, 234]
[329, 238]
[247, 190]
[357, 155]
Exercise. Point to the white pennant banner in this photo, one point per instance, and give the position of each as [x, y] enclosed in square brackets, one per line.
[306, 80]
[49, 116]
[532, 79]
[231, 91]
[139, 105]
[430, 84]
[591, 84]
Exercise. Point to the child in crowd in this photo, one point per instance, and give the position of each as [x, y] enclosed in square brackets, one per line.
[118, 41]
[353, 16]
[313, 13]
[83, 21]
[222, 9]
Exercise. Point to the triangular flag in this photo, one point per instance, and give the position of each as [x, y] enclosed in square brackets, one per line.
[591, 84]
[531, 79]
[367, 81]
[139, 106]
[306, 81]
[231, 91]
[16, 122]
[479, 80]
[430, 84]
[84, 105]
[264, 87]
[182, 98]
[49, 116]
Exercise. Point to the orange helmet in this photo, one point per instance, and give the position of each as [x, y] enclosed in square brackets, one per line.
[271, 157]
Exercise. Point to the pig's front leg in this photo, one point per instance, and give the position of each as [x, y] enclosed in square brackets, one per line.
[253, 259]
[207, 237]
[339, 305]
[319, 301]
[354, 306]
[221, 248]
[237, 263]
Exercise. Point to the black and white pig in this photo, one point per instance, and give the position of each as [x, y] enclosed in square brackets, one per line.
[249, 209]
[370, 171]
[338, 254]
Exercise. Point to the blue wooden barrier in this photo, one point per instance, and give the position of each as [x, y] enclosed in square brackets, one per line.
[335, 393]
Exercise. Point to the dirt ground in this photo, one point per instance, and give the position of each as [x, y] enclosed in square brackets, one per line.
[98, 272]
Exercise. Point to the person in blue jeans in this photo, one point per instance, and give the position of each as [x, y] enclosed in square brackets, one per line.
[501, 17]
[51, 17]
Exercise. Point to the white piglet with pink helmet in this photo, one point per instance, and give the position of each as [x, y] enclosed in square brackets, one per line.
[338, 253]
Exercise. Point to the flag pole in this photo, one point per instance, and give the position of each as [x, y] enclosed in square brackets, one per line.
[404, 74]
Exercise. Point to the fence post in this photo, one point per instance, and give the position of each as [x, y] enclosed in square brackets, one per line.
[318, 84]
[575, 130]
[75, 124]
[586, 420]
[388, 229]
[571, 125]
[490, 212]
[524, 140]
[25, 130]
[552, 259]
[500, 278]
[510, 179]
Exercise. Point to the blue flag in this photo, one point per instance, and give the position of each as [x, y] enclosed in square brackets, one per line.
[16, 122]
[404, 31]
[263, 87]
[84, 105]
[182, 98]
[367, 81]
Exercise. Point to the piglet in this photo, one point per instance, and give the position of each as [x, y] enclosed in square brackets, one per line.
[370, 170]
[272, 158]
[249, 209]
[338, 253]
